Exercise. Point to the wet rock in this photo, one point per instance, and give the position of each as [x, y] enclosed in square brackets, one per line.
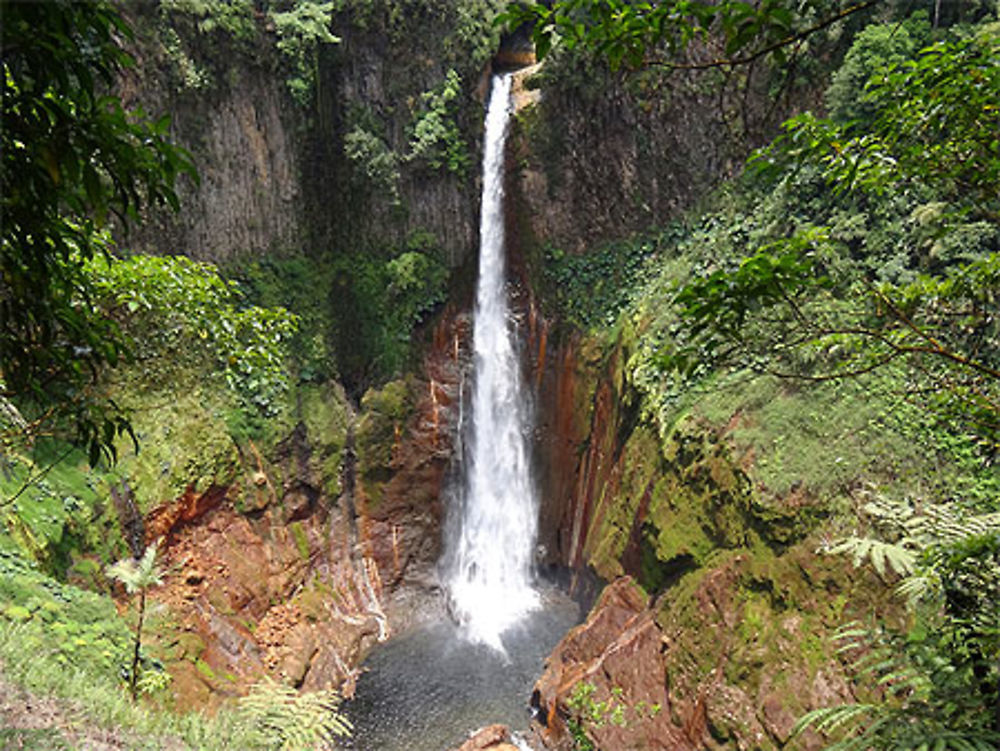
[405, 439]
[614, 658]
[491, 738]
[299, 502]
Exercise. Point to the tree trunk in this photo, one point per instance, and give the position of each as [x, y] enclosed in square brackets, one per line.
[134, 676]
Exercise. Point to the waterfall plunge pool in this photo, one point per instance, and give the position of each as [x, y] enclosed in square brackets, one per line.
[427, 689]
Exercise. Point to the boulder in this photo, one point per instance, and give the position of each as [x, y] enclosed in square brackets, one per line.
[490, 738]
[612, 660]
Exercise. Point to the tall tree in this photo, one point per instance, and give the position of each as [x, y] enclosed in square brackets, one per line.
[72, 157]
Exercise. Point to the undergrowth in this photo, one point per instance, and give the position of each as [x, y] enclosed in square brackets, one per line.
[70, 646]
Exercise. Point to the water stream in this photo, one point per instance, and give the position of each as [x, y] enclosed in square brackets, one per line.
[489, 569]
[426, 689]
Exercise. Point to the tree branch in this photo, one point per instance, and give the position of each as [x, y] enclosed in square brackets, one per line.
[786, 41]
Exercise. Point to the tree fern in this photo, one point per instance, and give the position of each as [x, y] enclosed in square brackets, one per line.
[898, 557]
[905, 531]
[138, 576]
[282, 719]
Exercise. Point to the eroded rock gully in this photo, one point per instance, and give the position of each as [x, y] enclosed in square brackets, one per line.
[308, 555]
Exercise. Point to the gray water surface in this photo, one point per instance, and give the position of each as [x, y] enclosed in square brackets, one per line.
[427, 689]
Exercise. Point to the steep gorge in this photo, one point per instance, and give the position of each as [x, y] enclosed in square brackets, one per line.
[292, 552]
[362, 520]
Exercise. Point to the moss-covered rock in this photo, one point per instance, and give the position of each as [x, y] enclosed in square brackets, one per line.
[183, 439]
[384, 414]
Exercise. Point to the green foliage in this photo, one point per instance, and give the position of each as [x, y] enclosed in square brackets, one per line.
[588, 712]
[938, 684]
[189, 74]
[462, 35]
[906, 537]
[416, 286]
[642, 34]
[138, 575]
[178, 310]
[301, 30]
[826, 439]
[826, 318]
[934, 120]
[434, 137]
[233, 17]
[292, 282]
[377, 304]
[93, 699]
[60, 641]
[591, 289]
[51, 510]
[474, 36]
[875, 48]
[33, 739]
[75, 629]
[284, 720]
[374, 162]
[297, 27]
[72, 156]
[936, 692]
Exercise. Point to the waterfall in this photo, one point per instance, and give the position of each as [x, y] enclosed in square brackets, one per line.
[491, 564]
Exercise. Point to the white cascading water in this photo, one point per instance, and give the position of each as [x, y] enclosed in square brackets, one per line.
[490, 581]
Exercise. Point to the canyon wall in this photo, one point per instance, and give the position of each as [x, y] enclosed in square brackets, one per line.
[295, 556]
[335, 169]
[716, 627]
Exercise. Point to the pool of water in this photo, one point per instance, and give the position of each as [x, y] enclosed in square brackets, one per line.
[428, 688]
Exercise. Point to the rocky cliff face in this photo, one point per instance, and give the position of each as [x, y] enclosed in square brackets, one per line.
[280, 174]
[292, 555]
[716, 630]
[601, 155]
[235, 116]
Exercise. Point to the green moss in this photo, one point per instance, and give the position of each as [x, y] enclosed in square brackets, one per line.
[190, 646]
[384, 413]
[301, 539]
[204, 668]
[619, 502]
[184, 442]
[325, 412]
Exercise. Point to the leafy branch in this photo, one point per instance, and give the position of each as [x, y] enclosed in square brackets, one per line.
[635, 34]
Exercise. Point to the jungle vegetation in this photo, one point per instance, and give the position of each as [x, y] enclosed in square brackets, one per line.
[861, 245]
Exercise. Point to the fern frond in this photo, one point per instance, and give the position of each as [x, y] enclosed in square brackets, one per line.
[138, 574]
[884, 556]
[827, 719]
[281, 718]
[915, 588]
